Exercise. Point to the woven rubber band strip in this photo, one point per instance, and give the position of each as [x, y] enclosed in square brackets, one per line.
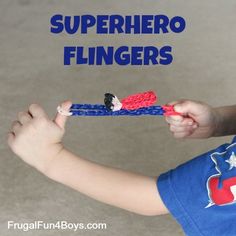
[139, 100]
[101, 110]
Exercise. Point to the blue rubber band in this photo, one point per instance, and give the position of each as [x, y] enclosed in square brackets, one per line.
[101, 110]
[88, 106]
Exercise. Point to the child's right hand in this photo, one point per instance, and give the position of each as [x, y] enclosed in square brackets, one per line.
[199, 120]
[36, 138]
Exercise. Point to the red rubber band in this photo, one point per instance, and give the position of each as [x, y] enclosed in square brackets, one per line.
[139, 100]
[169, 111]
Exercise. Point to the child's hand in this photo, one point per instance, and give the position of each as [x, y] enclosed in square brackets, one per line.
[199, 120]
[35, 138]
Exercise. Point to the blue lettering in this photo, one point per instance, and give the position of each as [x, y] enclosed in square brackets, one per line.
[87, 21]
[177, 24]
[69, 52]
[56, 24]
[166, 57]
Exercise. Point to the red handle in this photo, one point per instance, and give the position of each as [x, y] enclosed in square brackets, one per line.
[169, 111]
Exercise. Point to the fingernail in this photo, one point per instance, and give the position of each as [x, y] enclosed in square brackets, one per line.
[195, 126]
[190, 123]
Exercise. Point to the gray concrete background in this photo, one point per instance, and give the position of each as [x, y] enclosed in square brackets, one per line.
[31, 70]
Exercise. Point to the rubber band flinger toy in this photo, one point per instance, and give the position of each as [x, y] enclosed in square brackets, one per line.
[133, 105]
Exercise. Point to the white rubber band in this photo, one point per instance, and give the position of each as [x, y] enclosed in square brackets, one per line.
[63, 112]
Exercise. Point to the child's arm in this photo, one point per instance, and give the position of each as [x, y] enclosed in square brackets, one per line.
[200, 120]
[37, 140]
[130, 191]
[226, 121]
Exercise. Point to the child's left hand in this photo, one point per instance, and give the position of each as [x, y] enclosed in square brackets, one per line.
[198, 120]
[35, 138]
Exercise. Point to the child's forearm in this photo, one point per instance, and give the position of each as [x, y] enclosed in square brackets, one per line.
[226, 124]
[130, 191]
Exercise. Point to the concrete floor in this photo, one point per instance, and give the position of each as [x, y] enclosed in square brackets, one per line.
[31, 70]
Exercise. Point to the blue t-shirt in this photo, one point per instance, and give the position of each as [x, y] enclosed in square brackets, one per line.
[201, 193]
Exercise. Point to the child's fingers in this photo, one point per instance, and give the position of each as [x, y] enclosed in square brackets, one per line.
[174, 128]
[188, 121]
[189, 107]
[24, 117]
[16, 126]
[179, 122]
[36, 111]
[60, 119]
[174, 119]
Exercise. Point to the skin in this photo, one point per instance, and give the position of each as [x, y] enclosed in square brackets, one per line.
[37, 140]
[199, 120]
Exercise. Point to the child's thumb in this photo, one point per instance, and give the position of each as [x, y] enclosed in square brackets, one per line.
[61, 119]
[188, 107]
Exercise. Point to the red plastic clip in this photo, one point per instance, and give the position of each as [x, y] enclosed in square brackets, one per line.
[169, 111]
